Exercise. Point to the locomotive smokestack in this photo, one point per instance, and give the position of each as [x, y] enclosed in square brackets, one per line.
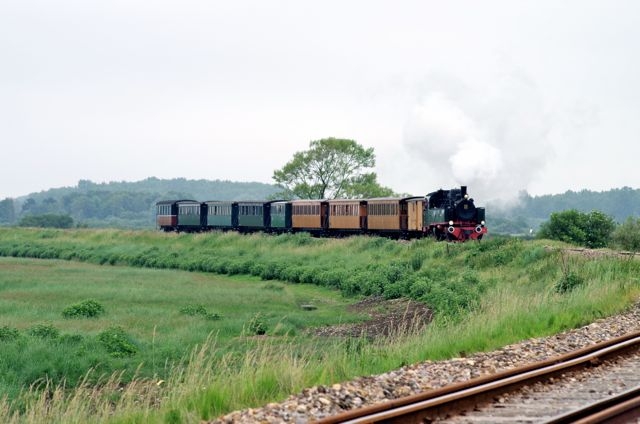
[463, 191]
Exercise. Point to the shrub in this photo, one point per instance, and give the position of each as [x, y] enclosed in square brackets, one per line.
[627, 235]
[590, 230]
[116, 341]
[85, 309]
[419, 288]
[8, 333]
[44, 331]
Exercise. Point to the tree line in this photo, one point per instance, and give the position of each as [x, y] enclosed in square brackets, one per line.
[117, 204]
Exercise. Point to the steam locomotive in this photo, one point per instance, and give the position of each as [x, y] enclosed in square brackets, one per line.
[443, 214]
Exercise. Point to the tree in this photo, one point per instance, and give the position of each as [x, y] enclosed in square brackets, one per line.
[599, 229]
[331, 168]
[590, 230]
[367, 186]
[7, 211]
[627, 235]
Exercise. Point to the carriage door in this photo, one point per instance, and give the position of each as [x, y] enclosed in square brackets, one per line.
[363, 216]
[324, 215]
[403, 216]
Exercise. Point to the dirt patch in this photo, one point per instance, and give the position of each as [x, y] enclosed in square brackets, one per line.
[386, 317]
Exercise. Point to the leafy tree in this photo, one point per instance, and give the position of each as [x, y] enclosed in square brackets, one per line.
[591, 230]
[627, 235]
[367, 186]
[29, 205]
[7, 211]
[599, 229]
[331, 168]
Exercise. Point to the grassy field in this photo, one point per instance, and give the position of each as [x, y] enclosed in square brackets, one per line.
[163, 313]
[176, 346]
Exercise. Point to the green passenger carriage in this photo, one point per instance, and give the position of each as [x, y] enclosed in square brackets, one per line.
[221, 214]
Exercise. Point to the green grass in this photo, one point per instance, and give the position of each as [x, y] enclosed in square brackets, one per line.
[148, 305]
[485, 295]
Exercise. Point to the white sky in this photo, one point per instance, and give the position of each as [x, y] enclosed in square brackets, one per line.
[499, 95]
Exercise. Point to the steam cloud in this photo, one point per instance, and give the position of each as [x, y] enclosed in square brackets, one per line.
[495, 142]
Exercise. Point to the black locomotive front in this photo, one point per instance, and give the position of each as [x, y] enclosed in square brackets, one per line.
[452, 215]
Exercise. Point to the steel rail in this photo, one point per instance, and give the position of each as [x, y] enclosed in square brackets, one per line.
[448, 396]
[626, 405]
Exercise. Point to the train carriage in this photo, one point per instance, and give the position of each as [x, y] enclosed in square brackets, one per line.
[401, 217]
[251, 215]
[347, 215]
[191, 215]
[310, 215]
[167, 215]
[415, 215]
[221, 214]
[280, 214]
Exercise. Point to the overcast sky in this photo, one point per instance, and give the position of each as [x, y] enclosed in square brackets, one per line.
[503, 96]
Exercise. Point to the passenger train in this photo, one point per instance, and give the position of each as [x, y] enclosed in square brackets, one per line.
[443, 214]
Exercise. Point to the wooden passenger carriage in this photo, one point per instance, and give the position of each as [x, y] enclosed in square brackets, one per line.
[348, 215]
[391, 215]
[311, 215]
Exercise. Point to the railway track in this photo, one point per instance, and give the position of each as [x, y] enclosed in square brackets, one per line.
[553, 391]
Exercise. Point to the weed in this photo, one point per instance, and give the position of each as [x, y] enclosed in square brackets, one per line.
[417, 259]
[568, 282]
[195, 310]
[570, 279]
[257, 325]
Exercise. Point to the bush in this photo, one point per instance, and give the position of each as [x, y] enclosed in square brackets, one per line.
[44, 331]
[116, 341]
[8, 334]
[86, 309]
[627, 235]
[591, 230]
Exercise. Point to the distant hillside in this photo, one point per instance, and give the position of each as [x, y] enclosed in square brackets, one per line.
[125, 204]
[619, 203]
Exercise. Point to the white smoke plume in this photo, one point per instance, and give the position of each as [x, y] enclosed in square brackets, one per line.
[494, 142]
